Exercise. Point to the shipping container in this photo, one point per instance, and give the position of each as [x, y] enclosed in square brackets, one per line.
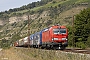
[21, 42]
[26, 41]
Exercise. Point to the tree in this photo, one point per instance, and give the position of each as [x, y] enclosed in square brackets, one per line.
[82, 29]
[70, 40]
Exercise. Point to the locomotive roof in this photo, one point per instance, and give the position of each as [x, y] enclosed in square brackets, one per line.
[58, 26]
[46, 29]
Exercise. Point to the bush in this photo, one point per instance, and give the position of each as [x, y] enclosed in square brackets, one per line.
[88, 41]
[5, 43]
[80, 45]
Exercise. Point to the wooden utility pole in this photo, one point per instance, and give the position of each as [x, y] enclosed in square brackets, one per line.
[73, 41]
[28, 25]
[28, 30]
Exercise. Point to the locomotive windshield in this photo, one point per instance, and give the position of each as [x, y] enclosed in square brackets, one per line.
[59, 31]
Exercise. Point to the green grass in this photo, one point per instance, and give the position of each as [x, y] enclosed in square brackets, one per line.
[37, 8]
[55, 4]
[80, 1]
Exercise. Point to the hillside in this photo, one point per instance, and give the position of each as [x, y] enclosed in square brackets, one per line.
[14, 25]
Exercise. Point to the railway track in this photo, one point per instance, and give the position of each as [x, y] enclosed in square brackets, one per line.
[83, 51]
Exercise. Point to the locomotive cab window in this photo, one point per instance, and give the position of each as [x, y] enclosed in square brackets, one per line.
[59, 31]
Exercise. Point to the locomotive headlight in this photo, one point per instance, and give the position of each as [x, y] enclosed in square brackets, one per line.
[55, 39]
[64, 38]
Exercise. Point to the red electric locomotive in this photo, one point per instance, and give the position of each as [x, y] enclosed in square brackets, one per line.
[55, 37]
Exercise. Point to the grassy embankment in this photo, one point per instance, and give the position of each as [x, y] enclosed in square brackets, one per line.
[40, 54]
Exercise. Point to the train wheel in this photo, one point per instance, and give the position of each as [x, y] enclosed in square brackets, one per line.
[62, 48]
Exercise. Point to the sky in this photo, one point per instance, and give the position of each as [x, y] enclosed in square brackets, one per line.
[10, 4]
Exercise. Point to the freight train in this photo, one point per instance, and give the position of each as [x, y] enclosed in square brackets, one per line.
[55, 37]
